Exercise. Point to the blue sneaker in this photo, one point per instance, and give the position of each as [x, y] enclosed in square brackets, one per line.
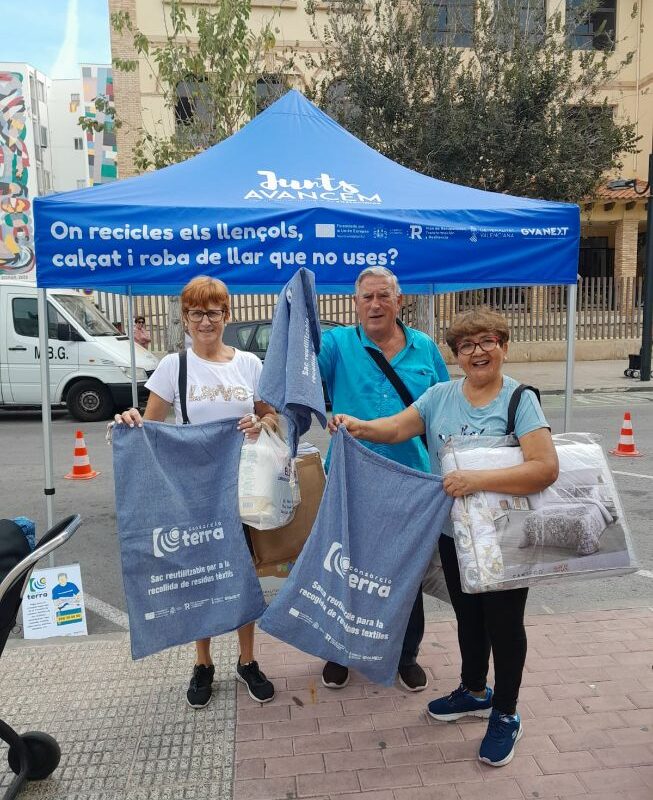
[503, 733]
[461, 703]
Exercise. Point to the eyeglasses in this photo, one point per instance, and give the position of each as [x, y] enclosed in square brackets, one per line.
[213, 316]
[487, 344]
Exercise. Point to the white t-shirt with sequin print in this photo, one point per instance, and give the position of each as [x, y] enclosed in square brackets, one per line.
[214, 390]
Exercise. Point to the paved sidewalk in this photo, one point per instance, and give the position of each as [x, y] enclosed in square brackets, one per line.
[125, 729]
[586, 704]
[589, 376]
[126, 732]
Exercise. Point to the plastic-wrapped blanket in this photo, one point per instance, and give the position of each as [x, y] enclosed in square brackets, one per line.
[576, 527]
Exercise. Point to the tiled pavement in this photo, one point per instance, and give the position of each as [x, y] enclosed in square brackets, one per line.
[124, 727]
[586, 706]
[127, 734]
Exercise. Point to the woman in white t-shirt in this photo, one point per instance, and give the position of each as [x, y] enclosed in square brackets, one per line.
[222, 383]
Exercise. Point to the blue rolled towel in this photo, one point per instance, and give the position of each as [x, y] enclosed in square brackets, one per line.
[291, 380]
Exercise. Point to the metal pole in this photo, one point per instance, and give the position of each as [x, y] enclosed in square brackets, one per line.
[132, 347]
[647, 327]
[46, 416]
[431, 312]
[571, 344]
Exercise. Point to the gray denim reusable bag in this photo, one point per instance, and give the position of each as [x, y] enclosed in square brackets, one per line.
[186, 568]
[349, 596]
[291, 380]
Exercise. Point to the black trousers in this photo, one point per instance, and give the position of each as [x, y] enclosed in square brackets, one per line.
[414, 632]
[488, 621]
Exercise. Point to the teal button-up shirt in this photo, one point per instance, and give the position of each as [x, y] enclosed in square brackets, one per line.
[357, 386]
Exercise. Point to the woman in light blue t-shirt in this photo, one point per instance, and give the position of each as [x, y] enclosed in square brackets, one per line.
[478, 405]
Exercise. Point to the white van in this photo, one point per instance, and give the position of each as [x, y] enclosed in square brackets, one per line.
[89, 359]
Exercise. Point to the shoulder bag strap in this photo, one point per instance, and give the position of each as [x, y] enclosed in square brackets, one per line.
[514, 403]
[182, 384]
[388, 370]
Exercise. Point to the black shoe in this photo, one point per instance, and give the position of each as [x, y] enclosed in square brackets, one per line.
[199, 689]
[412, 677]
[334, 676]
[259, 687]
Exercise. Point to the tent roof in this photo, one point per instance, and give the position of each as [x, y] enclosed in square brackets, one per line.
[290, 185]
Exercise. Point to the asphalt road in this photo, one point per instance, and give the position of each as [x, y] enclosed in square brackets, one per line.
[95, 545]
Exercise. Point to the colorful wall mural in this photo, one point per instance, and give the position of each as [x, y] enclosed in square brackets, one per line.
[102, 150]
[16, 245]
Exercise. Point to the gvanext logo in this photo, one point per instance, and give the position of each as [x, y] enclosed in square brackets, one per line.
[555, 232]
[363, 581]
[167, 541]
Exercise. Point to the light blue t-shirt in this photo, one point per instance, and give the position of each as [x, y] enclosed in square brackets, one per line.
[357, 386]
[447, 412]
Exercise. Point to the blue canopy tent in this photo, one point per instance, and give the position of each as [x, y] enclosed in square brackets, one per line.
[293, 188]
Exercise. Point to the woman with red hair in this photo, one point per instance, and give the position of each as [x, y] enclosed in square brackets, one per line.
[222, 383]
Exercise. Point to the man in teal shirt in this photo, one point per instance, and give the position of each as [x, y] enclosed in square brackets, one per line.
[357, 386]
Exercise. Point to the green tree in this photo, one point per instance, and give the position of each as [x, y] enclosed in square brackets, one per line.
[501, 97]
[213, 72]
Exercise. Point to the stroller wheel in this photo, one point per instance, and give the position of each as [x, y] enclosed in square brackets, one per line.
[44, 755]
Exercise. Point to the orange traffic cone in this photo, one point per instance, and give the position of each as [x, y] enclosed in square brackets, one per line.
[81, 470]
[626, 445]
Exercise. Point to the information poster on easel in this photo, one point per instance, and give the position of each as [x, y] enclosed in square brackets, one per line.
[53, 604]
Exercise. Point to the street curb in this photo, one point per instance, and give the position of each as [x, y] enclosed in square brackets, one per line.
[603, 390]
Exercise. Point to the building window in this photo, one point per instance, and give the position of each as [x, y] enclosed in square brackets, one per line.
[268, 89]
[79, 143]
[593, 29]
[192, 102]
[596, 259]
[40, 91]
[522, 19]
[44, 135]
[453, 22]
[74, 99]
[81, 183]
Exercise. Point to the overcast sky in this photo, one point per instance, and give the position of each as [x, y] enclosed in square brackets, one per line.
[55, 35]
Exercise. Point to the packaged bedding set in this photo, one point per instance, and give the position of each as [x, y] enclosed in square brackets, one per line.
[575, 528]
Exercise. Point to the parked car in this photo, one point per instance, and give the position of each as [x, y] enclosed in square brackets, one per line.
[254, 337]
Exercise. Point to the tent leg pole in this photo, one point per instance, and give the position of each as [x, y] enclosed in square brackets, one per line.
[132, 348]
[46, 416]
[431, 312]
[571, 343]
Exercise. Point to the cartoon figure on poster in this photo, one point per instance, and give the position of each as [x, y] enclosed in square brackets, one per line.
[16, 250]
[66, 598]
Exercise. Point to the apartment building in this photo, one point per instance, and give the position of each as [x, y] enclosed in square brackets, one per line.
[614, 221]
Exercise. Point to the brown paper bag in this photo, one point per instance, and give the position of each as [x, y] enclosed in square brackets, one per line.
[275, 551]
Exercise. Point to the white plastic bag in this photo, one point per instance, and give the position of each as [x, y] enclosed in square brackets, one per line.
[268, 491]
